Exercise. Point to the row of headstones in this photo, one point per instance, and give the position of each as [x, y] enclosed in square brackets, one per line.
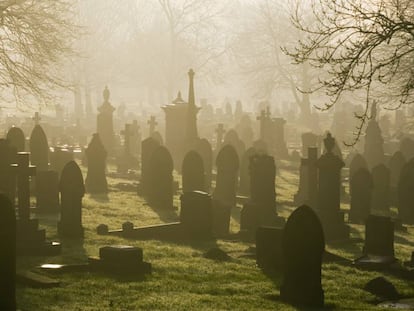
[384, 186]
[297, 250]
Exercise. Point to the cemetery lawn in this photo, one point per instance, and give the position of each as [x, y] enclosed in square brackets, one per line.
[182, 279]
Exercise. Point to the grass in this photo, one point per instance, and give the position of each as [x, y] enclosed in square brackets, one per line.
[182, 279]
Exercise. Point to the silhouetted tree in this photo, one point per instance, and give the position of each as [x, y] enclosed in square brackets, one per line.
[363, 45]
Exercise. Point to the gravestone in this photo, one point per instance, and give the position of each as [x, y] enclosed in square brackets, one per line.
[95, 182]
[381, 192]
[357, 162]
[227, 163]
[378, 250]
[193, 178]
[147, 149]
[361, 194]
[59, 158]
[105, 126]
[406, 193]
[47, 191]
[374, 143]
[232, 138]
[16, 138]
[308, 180]
[203, 147]
[196, 215]
[329, 185]
[244, 183]
[309, 139]
[7, 255]
[269, 255]
[30, 240]
[303, 246]
[395, 164]
[72, 190]
[224, 195]
[135, 143]
[39, 149]
[152, 125]
[160, 188]
[127, 160]
[220, 131]
[7, 180]
[261, 209]
[407, 148]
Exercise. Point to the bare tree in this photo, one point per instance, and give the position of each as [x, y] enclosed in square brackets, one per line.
[363, 45]
[258, 51]
[34, 37]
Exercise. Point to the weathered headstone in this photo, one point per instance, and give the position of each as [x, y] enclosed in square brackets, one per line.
[381, 192]
[395, 164]
[269, 248]
[72, 190]
[160, 189]
[39, 149]
[196, 215]
[361, 194]
[7, 179]
[406, 193]
[329, 185]
[7, 255]
[244, 183]
[309, 139]
[308, 180]
[303, 247]
[203, 147]
[261, 210]
[47, 191]
[95, 178]
[147, 149]
[193, 178]
[374, 143]
[105, 127]
[16, 138]
[59, 158]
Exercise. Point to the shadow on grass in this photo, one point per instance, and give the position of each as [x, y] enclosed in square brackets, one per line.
[166, 215]
[101, 197]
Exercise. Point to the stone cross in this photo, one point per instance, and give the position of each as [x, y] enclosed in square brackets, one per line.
[36, 118]
[220, 133]
[23, 171]
[152, 124]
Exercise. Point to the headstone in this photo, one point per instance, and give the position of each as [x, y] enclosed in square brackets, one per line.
[193, 178]
[7, 255]
[204, 149]
[269, 248]
[95, 182]
[374, 143]
[160, 189]
[361, 194]
[59, 158]
[16, 138]
[308, 180]
[407, 148]
[147, 149]
[72, 190]
[105, 126]
[39, 149]
[406, 193]
[127, 160]
[303, 247]
[196, 215]
[309, 139]
[329, 185]
[152, 125]
[395, 164]
[7, 179]
[47, 191]
[220, 135]
[244, 184]
[227, 163]
[261, 210]
[381, 192]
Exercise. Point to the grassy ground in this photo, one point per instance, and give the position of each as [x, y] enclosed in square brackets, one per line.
[182, 279]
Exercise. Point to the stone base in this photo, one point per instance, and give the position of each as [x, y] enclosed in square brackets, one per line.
[251, 220]
[371, 262]
[32, 241]
[334, 227]
[269, 248]
[67, 231]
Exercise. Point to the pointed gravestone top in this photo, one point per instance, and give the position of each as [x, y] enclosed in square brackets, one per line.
[106, 94]
[227, 159]
[303, 246]
[329, 143]
[16, 138]
[71, 180]
[39, 149]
